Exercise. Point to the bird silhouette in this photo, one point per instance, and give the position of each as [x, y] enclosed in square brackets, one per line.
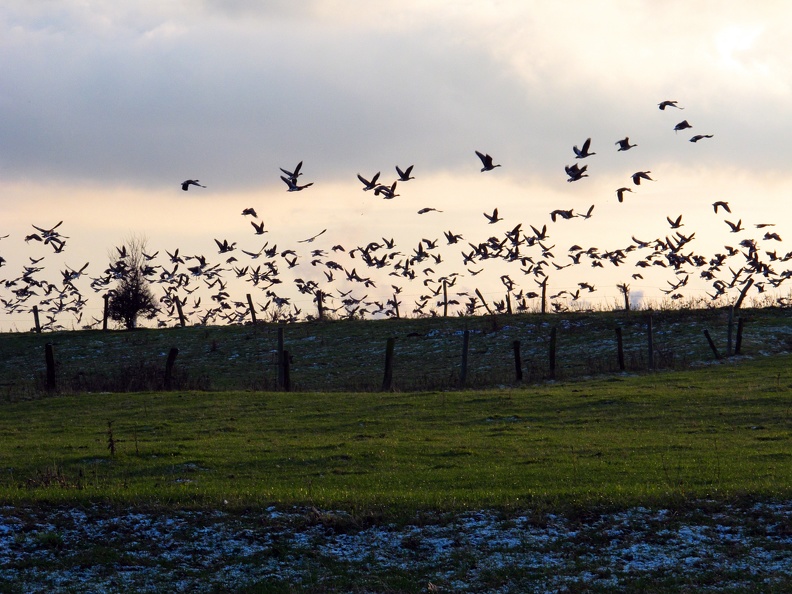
[575, 172]
[190, 182]
[620, 193]
[293, 175]
[675, 223]
[493, 218]
[486, 161]
[405, 175]
[428, 209]
[250, 211]
[624, 144]
[583, 152]
[721, 204]
[293, 186]
[639, 175]
[698, 137]
[735, 227]
[663, 104]
[369, 184]
[683, 125]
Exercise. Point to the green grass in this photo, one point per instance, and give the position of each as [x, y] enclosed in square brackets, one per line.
[719, 432]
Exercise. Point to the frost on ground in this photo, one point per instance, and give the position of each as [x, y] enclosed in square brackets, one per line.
[101, 549]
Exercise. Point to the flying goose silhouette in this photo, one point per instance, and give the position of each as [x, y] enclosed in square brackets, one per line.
[486, 161]
[190, 182]
[663, 104]
[369, 184]
[624, 144]
[405, 175]
[698, 137]
[583, 152]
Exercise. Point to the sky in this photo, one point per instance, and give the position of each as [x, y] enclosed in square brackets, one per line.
[106, 107]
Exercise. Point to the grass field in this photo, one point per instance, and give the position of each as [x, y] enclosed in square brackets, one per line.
[678, 479]
[722, 431]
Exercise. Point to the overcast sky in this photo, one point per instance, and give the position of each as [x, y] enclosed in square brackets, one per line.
[106, 106]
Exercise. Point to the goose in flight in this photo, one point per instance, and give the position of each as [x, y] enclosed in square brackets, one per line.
[224, 246]
[575, 172]
[698, 137]
[369, 184]
[190, 182]
[735, 227]
[293, 175]
[251, 212]
[405, 175]
[293, 186]
[493, 218]
[675, 223]
[428, 209]
[663, 104]
[624, 144]
[620, 193]
[639, 175]
[486, 161]
[721, 204]
[564, 214]
[683, 125]
[388, 193]
[259, 227]
[310, 239]
[583, 152]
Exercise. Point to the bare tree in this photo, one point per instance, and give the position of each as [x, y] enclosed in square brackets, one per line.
[132, 296]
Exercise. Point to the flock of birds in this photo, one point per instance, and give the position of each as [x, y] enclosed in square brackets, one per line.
[348, 281]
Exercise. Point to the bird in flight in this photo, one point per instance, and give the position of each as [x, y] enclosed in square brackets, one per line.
[624, 144]
[293, 186]
[721, 204]
[427, 209]
[675, 223]
[583, 152]
[251, 212]
[190, 182]
[486, 161]
[735, 227]
[293, 175]
[310, 239]
[369, 184]
[620, 193]
[639, 175]
[493, 218]
[405, 175]
[663, 104]
[575, 172]
[684, 124]
[698, 137]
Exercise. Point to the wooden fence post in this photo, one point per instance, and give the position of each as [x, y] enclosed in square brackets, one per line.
[517, 361]
[169, 367]
[650, 341]
[36, 319]
[320, 304]
[49, 356]
[286, 373]
[396, 305]
[280, 358]
[465, 347]
[712, 344]
[180, 311]
[387, 382]
[106, 311]
[738, 341]
[252, 309]
[508, 304]
[620, 348]
[552, 351]
[445, 298]
[544, 295]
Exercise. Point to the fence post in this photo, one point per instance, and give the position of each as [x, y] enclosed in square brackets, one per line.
[286, 373]
[49, 356]
[517, 361]
[252, 309]
[182, 321]
[396, 304]
[106, 313]
[544, 295]
[480, 296]
[320, 304]
[650, 341]
[280, 358]
[169, 367]
[738, 341]
[465, 347]
[552, 351]
[620, 348]
[387, 382]
[445, 298]
[508, 304]
[36, 319]
[712, 344]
